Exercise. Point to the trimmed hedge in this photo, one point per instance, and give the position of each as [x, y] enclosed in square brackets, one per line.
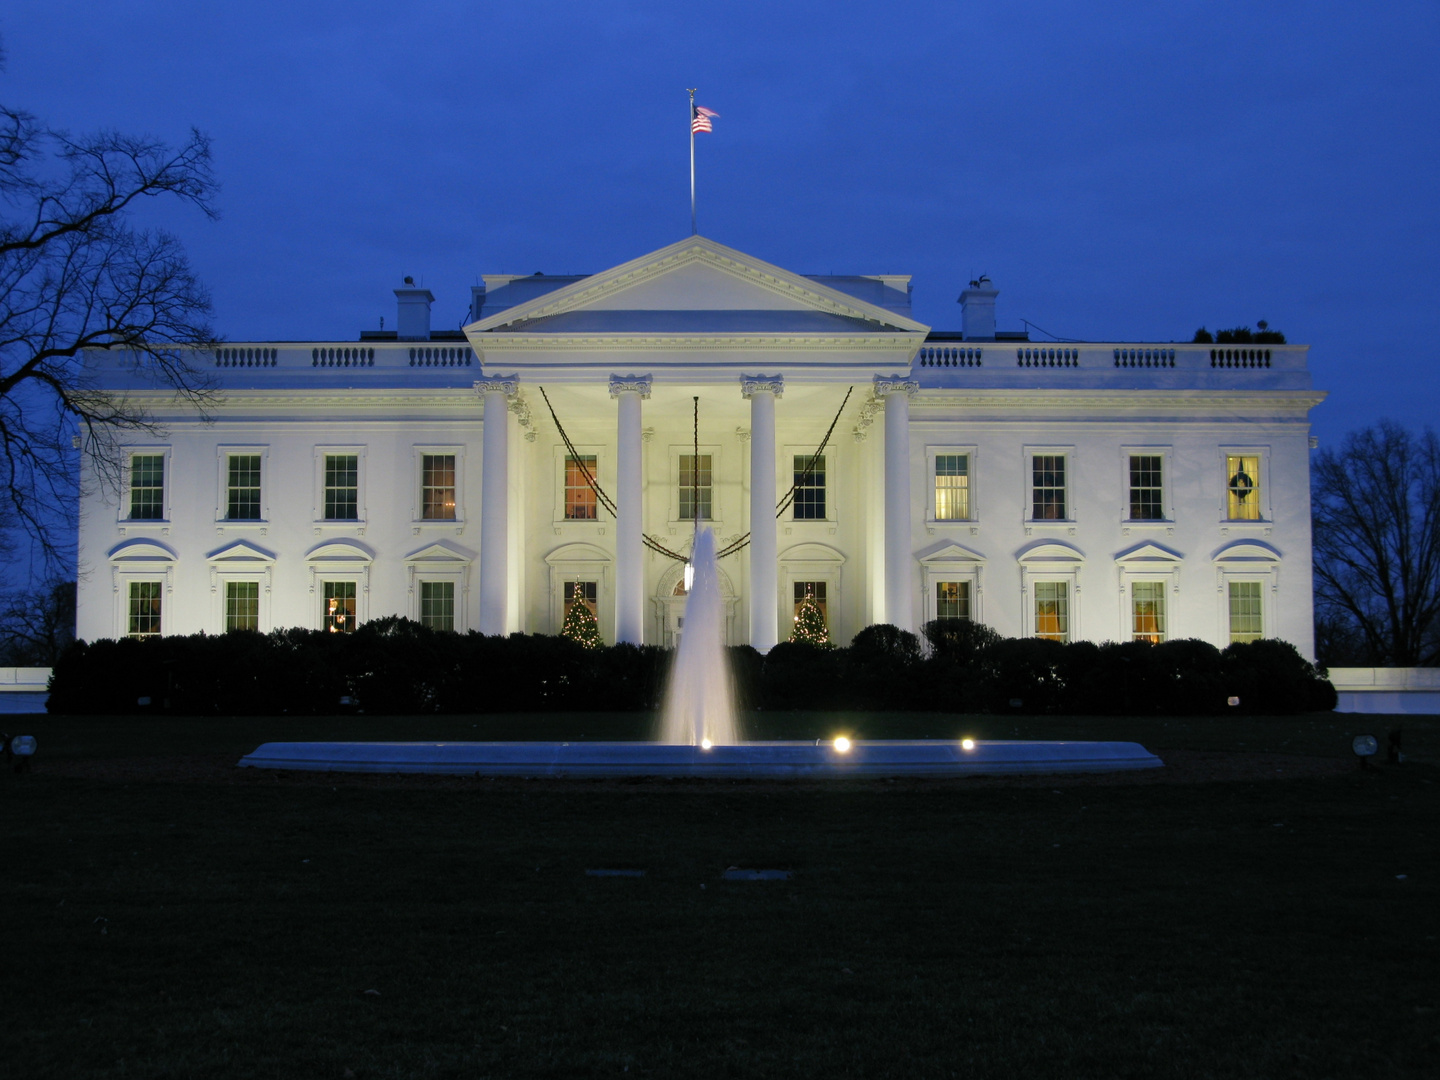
[394, 666]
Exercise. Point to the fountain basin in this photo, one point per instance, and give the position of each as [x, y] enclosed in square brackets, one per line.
[755, 760]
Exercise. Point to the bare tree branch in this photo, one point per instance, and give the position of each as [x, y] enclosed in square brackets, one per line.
[77, 281]
[1377, 547]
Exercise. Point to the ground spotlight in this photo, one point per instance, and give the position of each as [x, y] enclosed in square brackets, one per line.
[842, 744]
[967, 744]
[1365, 747]
[705, 744]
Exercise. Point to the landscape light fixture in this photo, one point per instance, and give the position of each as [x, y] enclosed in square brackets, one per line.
[705, 744]
[842, 745]
[967, 744]
[1365, 747]
[22, 748]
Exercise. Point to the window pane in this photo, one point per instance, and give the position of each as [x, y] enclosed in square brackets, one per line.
[1052, 610]
[580, 501]
[1145, 488]
[809, 504]
[437, 604]
[242, 501]
[695, 487]
[242, 605]
[144, 618]
[437, 487]
[815, 589]
[1242, 484]
[952, 600]
[1147, 609]
[342, 487]
[339, 610]
[585, 592]
[1246, 620]
[147, 487]
[952, 487]
[1048, 471]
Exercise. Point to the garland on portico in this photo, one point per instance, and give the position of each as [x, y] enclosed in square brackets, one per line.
[651, 542]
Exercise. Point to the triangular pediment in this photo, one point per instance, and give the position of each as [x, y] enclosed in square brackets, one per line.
[695, 286]
[1148, 554]
[437, 554]
[948, 551]
[241, 552]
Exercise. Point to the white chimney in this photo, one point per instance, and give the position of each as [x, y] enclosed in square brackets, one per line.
[977, 310]
[414, 304]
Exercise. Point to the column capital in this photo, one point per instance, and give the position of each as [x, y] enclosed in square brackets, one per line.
[750, 385]
[621, 384]
[885, 385]
[509, 385]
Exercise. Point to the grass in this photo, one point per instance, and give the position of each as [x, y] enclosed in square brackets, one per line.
[232, 927]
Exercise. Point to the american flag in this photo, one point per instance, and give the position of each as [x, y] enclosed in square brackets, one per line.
[700, 119]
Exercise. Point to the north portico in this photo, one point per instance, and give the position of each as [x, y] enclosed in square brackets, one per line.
[698, 320]
[1106, 491]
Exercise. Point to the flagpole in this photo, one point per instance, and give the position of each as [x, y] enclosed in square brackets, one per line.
[692, 163]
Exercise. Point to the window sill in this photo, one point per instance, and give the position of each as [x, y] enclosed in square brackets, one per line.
[260, 525]
[578, 526]
[1262, 528]
[419, 524]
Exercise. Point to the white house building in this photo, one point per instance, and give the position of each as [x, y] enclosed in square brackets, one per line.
[1105, 491]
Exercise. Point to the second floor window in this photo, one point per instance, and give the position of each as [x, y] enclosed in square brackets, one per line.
[580, 502]
[1146, 503]
[437, 487]
[242, 488]
[1048, 487]
[147, 487]
[342, 487]
[1242, 499]
[696, 492]
[952, 487]
[809, 504]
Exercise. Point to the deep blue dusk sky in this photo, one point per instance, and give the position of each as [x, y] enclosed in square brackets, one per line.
[1122, 171]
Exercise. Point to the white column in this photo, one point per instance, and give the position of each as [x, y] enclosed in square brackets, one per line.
[899, 604]
[762, 390]
[495, 502]
[629, 390]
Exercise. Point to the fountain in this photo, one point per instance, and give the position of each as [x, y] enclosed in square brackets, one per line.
[700, 701]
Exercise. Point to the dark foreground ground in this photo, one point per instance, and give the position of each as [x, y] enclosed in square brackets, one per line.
[1261, 908]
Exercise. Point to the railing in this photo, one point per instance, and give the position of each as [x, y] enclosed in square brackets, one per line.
[1135, 358]
[1240, 358]
[946, 356]
[1037, 357]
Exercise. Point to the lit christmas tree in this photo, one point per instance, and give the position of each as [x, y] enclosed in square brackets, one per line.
[580, 625]
[810, 623]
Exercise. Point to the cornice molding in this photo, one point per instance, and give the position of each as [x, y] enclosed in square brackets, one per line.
[502, 343]
[1260, 400]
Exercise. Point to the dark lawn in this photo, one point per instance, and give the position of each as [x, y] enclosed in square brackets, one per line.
[167, 929]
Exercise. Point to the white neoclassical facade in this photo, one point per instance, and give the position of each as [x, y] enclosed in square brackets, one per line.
[1104, 491]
